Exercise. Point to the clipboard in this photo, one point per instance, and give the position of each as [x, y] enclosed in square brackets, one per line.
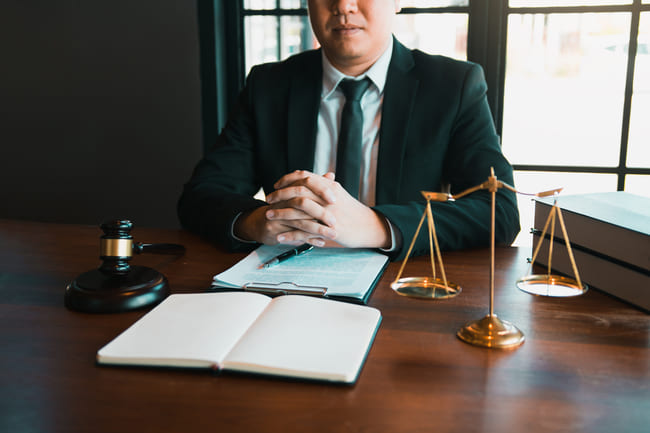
[284, 288]
[342, 274]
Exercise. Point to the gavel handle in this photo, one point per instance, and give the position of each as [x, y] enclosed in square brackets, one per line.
[139, 248]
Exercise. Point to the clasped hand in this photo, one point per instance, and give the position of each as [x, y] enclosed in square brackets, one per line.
[308, 208]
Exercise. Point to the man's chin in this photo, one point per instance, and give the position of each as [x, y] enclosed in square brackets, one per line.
[349, 56]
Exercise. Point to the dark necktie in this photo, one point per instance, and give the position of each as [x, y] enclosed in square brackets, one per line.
[348, 153]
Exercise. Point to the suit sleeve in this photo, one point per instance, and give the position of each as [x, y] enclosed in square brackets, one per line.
[225, 179]
[473, 149]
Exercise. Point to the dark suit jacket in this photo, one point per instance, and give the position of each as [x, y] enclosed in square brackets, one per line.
[436, 130]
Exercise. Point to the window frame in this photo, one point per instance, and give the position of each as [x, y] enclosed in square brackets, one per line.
[621, 170]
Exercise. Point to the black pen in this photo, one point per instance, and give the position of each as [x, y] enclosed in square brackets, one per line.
[287, 255]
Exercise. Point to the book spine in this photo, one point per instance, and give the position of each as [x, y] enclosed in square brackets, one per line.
[623, 282]
[614, 242]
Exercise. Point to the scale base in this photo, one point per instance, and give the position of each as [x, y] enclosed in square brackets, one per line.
[99, 292]
[551, 285]
[491, 332]
[425, 288]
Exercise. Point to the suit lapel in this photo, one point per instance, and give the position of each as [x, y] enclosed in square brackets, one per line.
[399, 98]
[302, 117]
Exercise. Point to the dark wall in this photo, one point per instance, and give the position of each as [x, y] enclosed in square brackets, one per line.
[100, 109]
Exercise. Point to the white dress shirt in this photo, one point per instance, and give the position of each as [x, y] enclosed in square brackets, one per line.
[329, 122]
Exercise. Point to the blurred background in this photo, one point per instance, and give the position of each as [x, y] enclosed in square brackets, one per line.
[106, 107]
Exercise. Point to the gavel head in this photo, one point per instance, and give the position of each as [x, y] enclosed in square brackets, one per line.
[116, 246]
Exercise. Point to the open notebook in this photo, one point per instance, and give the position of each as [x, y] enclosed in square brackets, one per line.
[295, 336]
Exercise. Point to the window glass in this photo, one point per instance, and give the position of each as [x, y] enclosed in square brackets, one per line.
[572, 183]
[543, 3]
[564, 88]
[638, 151]
[444, 34]
[296, 35]
[293, 4]
[638, 184]
[260, 4]
[263, 32]
[261, 37]
[432, 3]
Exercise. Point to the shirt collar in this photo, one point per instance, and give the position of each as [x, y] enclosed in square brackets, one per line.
[377, 72]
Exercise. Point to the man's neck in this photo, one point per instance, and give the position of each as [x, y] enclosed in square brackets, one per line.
[356, 68]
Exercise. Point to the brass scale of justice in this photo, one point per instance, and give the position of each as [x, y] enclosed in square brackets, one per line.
[489, 331]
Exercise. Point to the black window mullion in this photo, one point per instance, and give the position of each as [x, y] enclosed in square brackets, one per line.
[306, 39]
[211, 71]
[436, 10]
[567, 9]
[496, 56]
[629, 87]
[273, 12]
[478, 45]
[235, 48]
[580, 169]
[278, 31]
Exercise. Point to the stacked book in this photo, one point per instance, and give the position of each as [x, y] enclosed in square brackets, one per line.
[609, 235]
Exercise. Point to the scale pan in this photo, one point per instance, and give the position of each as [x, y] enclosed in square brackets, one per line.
[551, 285]
[425, 288]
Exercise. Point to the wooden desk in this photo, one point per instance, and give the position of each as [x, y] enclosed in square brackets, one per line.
[585, 365]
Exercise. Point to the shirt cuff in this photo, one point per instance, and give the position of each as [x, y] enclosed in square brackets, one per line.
[232, 231]
[395, 238]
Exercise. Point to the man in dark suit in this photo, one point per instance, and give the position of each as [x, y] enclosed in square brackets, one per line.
[427, 126]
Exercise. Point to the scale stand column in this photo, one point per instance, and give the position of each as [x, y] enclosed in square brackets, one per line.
[490, 331]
